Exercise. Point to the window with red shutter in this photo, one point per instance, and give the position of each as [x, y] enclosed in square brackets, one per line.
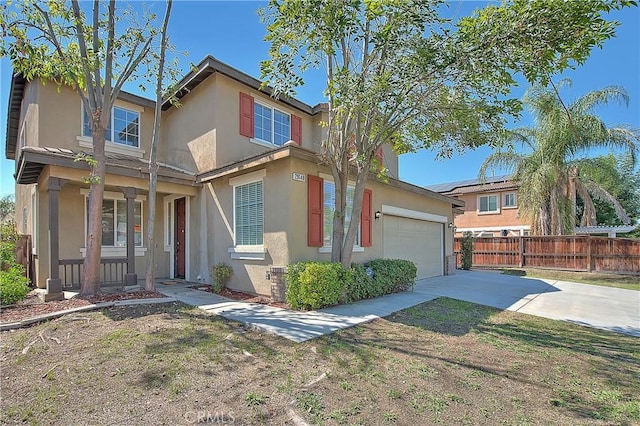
[315, 211]
[246, 115]
[365, 219]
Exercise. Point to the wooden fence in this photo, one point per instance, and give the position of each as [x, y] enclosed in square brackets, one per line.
[570, 252]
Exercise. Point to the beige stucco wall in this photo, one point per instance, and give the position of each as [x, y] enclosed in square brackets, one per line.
[382, 194]
[60, 119]
[285, 222]
[29, 115]
[204, 132]
[188, 132]
[250, 275]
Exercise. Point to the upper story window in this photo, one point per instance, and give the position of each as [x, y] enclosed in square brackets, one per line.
[488, 204]
[271, 125]
[267, 125]
[510, 200]
[123, 128]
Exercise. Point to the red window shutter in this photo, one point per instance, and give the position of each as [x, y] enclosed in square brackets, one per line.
[296, 129]
[315, 211]
[246, 115]
[365, 219]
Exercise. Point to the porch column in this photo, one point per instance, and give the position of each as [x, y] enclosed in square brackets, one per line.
[54, 285]
[131, 278]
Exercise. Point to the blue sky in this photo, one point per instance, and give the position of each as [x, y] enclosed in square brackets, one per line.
[232, 32]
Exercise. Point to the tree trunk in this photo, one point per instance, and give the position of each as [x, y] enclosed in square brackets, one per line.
[91, 283]
[354, 224]
[337, 237]
[341, 181]
[149, 283]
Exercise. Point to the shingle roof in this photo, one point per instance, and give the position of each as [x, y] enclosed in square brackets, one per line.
[34, 158]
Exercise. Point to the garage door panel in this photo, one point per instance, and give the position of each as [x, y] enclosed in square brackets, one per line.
[416, 240]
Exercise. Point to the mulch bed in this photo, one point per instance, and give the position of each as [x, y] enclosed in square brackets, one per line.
[32, 306]
[244, 297]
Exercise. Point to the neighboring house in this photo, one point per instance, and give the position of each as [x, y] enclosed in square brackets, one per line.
[491, 207]
[239, 183]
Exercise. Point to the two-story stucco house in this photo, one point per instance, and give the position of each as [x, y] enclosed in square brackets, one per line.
[239, 183]
[491, 207]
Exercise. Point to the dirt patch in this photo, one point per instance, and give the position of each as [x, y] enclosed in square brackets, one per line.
[171, 364]
[32, 306]
[243, 297]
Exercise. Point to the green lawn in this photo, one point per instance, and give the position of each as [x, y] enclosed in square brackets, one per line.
[629, 282]
[441, 362]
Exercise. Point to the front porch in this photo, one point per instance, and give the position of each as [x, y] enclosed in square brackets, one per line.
[54, 192]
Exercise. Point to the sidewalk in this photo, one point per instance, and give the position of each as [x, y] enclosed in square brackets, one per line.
[605, 308]
[293, 325]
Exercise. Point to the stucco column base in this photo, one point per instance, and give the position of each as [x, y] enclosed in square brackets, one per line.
[131, 279]
[54, 290]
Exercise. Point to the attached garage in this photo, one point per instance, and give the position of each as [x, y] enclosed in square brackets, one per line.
[409, 235]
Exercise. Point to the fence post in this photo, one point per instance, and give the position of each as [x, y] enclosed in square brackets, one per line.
[521, 251]
[589, 267]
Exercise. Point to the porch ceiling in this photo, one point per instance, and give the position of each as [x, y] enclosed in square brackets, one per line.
[33, 160]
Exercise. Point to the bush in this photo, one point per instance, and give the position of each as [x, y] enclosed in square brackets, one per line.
[314, 285]
[392, 275]
[467, 250]
[221, 274]
[358, 284]
[14, 286]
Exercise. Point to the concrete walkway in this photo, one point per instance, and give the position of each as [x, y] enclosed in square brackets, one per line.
[601, 307]
[595, 306]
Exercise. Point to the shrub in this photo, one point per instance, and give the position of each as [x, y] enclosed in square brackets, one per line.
[221, 273]
[314, 285]
[377, 278]
[14, 286]
[357, 285]
[467, 250]
[392, 275]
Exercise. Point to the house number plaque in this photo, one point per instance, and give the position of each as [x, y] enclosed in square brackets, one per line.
[300, 177]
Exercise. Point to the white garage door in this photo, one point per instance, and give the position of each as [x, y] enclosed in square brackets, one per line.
[417, 240]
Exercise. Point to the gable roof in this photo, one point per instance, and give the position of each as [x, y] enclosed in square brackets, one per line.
[33, 160]
[210, 65]
[474, 185]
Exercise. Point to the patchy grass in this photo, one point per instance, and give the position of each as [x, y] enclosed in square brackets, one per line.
[442, 362]
[629, 282]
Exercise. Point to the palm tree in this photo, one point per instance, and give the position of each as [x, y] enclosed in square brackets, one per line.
[549, 171]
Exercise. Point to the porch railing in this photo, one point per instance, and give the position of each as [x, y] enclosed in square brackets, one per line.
[112, 272]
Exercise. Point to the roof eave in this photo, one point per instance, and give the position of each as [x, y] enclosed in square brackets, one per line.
[16, 93]
[210, 65]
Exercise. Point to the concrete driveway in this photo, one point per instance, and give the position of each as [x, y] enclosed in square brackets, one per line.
[594, 306]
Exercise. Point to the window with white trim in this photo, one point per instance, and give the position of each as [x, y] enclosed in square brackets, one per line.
[488, 204]
[271, 125]
[114, 222]
[248, 214]
[123, 127]
[510, 200]
[330, 209]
